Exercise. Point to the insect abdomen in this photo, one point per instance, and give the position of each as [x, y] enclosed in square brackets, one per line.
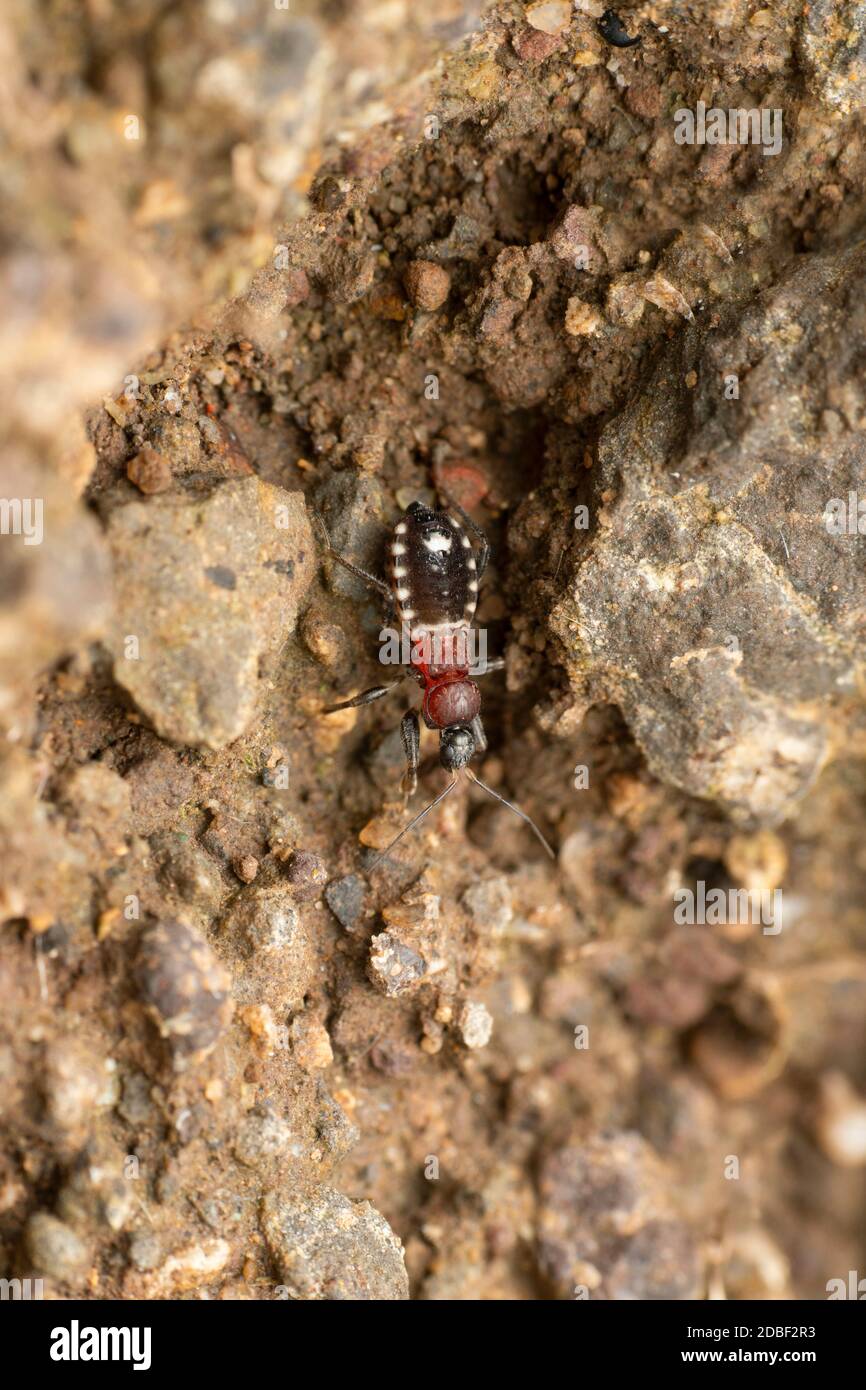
[433, 569]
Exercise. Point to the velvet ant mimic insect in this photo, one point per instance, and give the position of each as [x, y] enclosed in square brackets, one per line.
[435, 577]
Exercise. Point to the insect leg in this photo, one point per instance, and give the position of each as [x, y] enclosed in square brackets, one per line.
[483, 668]
[411, 735]
[478, 734]
[354, 569]
[484, 552]
[366, 697]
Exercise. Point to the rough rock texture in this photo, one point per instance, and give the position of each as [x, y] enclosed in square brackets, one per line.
[191, 652]
[709, 601]
[393, 967]
[582, 1087]
[833, 44]
[326, 1247]
[266, 924]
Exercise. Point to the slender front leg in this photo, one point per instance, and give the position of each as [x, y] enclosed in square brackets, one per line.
[410, 733]
[476, 728]
[366, 697]
[484, 552]
[354, 569]
[497, 664]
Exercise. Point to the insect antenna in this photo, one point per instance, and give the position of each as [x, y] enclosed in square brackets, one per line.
[516, 809]
[411, 826]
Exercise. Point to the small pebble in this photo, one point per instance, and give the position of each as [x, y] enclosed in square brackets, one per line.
[306, 873]
[246, 868]
[262, 1139]
[462, 481]
[311, 1043]
[581, 320]
[72, 1083]
[489, 903]
[296, 286]
[145, 1252]
[475, 1024]
[391, 1059]
[549, 16]
[150, 471]
[392, 967]
[664, 295]
[326, 1247]
[337, 1133]
[427, 285]
[531, 46]
[325, 641]
[259, 1019]
[53, 1248]
[185, 987]
[345, 898]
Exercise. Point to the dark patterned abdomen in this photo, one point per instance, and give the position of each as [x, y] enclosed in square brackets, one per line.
[433, 569]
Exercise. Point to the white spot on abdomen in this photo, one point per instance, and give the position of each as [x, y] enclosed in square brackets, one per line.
[437, 541]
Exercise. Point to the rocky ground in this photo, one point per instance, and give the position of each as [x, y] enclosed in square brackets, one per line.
[348, 256]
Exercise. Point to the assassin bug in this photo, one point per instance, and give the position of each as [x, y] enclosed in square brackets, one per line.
[435, 579]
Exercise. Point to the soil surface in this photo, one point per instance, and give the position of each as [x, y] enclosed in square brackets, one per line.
[366, 258]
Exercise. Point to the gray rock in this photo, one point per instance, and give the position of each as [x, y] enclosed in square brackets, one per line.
[209, 591]
[268, 924]
[489, 903]
[98, 1192]
[337, 1132]
[345, 898]
[306, 873]
[392, 966]
[145, 1251]
[263, 1140]
[269, 919]
[328, 1248]
[832, 43]
[53, 1248]
[353, 509]
[708, 600]
[185, 988]
[188, 871]
[136, 1104]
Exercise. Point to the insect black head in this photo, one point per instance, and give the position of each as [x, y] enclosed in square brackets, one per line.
[456, 747]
